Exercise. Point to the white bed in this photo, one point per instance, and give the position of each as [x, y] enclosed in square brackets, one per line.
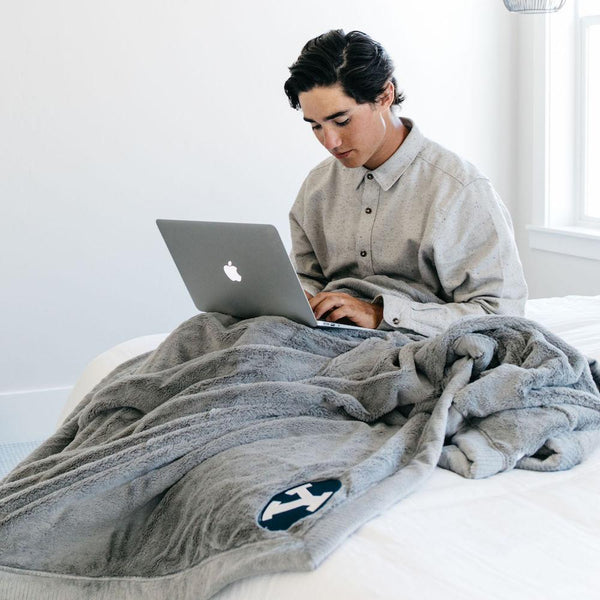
[518, 535]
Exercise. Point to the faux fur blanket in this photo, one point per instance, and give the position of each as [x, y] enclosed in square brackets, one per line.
[245, 447]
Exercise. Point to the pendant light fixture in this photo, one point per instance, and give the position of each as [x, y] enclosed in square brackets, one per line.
[533, 6]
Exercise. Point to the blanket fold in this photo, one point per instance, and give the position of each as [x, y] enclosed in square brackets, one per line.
[245, 447]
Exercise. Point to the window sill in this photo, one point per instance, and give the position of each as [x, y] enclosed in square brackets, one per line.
[574, 241]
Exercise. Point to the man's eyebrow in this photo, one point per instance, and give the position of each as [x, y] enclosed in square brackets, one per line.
[341, 113]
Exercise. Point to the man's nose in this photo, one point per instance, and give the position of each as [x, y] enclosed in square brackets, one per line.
[331, 138]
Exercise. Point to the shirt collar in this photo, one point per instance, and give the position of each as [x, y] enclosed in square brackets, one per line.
[394, 167]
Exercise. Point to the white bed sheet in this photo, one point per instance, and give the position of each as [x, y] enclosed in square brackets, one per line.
[517, 535]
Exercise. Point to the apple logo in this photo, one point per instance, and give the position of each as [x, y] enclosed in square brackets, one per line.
[232, 272]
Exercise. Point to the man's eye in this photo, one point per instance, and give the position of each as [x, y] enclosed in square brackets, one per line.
[315, 127]
[343, 123]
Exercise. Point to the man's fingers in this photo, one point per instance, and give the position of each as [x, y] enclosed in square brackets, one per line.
[318, 298]
[338, 314]
[335, 306]
[325, 304]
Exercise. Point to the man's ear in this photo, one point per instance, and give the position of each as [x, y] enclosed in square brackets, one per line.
[386, 98]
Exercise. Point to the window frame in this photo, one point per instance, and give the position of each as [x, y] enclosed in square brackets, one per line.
[551, 64]
[581, 166]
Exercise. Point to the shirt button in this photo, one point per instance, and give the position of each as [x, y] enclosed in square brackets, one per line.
[368, 211]
[396, 321]
[369, 175]
[363, 253]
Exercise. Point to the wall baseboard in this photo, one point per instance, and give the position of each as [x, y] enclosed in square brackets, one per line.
[30, 414]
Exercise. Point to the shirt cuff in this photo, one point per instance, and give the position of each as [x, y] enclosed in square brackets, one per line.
[408, 316]
[394, 309]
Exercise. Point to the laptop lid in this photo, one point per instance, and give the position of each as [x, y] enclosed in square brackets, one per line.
[238, 269]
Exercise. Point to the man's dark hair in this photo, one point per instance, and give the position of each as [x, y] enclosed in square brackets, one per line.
[358, 63]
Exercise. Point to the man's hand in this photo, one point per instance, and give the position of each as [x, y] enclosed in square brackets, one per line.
[334, 306]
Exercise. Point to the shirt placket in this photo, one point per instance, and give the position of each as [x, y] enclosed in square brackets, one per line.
[369, 202]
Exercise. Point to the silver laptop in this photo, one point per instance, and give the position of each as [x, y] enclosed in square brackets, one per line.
[238, 269]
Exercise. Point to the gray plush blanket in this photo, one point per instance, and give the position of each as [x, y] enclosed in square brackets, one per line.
[245, 447]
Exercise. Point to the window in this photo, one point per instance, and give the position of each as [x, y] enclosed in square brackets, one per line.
[561, 64]
[589, 205]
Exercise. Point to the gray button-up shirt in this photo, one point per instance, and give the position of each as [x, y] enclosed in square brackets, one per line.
[425, 234]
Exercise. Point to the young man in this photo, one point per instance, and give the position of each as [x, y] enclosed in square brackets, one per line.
[392, 231]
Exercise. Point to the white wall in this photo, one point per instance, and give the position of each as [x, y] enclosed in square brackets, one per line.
[117, 112]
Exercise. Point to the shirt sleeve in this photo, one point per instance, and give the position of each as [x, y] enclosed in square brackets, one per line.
[303, 255]
[469, 254]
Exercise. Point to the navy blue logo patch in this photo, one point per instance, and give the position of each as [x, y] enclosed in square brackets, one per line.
[287, 507]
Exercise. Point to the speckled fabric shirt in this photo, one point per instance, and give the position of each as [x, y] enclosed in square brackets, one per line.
[425, 233]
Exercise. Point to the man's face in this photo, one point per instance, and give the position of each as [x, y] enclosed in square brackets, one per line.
[354, 133]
